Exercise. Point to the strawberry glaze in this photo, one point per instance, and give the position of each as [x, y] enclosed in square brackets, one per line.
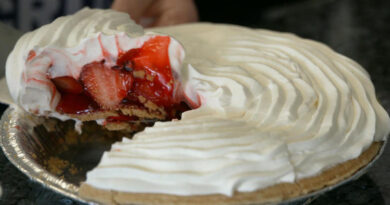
[156, 85]
[121, 118]
[31, 55]
[105, 52]
[120, 51]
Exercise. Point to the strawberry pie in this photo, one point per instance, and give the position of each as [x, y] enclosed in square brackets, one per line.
[273, 116]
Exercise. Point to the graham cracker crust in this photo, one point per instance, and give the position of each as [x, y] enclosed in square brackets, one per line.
[149, 111]
[272, 194]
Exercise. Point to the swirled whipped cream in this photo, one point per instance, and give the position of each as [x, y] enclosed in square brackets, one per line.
[63, 47]
[274, 108]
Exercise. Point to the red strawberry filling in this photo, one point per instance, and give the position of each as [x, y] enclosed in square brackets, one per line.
[76, 104]
[121, 118]
[140, 75]
[67, 84]
[153, 76]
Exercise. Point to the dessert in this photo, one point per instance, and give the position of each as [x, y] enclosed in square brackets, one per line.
[112, 75]
[275, 117]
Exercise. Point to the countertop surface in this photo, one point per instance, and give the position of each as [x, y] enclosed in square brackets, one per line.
[359, 29]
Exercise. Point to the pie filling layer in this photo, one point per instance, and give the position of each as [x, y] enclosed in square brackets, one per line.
[119, 85]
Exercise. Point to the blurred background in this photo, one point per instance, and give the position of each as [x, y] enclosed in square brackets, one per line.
[26, 15]
[356, 23]
[359, 29]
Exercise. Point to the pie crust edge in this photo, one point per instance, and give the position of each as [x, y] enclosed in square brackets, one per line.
[271, 194]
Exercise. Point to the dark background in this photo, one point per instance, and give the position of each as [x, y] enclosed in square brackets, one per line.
[359, 29]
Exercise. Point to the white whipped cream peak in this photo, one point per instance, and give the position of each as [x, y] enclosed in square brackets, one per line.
[274, 108]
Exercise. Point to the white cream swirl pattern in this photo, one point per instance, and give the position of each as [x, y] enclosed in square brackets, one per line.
[274, 108]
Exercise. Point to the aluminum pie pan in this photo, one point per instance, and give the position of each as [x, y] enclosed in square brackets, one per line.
[15, 133]
[21, 145]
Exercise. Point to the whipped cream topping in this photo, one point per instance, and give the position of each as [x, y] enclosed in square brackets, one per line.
[273, 108]
[73, 41]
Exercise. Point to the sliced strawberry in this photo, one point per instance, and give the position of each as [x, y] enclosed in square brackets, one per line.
[143, 63]
[156, 49]
[152, 58]
[107, 86]
[67, 84]
[152, 55]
